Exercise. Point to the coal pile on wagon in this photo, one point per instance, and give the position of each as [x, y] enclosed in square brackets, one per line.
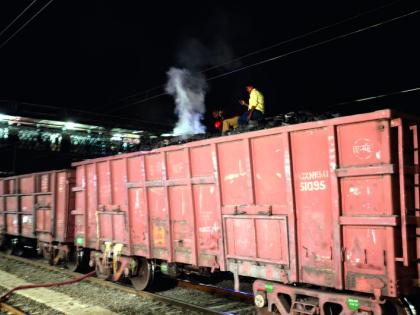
[284, 119]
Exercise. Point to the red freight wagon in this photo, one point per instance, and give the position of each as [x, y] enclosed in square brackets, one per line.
[323, 214]
[109, 213]
[34, 211]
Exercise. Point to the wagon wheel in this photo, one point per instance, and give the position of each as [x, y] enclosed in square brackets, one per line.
[412, 302]
[397, 307]
[48, 254]
[104, 275]
[145, 274]
[3, 242]
[19, 251]
[9, 250]
[72, 260]
[103, 271]
[5, 246]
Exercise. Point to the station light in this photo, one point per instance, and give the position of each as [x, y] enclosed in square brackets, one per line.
[3, 117]
[117, 137]
[71, 137]
[69, 125]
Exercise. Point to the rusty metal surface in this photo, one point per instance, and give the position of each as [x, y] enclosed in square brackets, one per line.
[346, 207]
[103, 210]
[37, 206]
[158, 205]
[327, 203]
[274, 294]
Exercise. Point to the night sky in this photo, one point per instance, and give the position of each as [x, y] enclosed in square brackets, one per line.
[100, 56]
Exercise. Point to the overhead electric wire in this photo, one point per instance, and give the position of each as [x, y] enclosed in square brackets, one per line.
[146, 122]
[323, 28]
[315, 45]
[369, 98]
[26, 23]
[289, 40]
[142, 92]
[279, 56]
[17, 17]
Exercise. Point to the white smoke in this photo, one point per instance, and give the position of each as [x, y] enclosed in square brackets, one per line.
[188, 90]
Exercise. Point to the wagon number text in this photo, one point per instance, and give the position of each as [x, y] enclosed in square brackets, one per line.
[313, 185]
[313, 180]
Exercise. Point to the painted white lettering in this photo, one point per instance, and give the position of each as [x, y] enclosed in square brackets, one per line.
[313, 185]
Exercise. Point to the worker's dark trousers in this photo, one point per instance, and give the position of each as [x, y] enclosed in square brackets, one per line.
[256, 115]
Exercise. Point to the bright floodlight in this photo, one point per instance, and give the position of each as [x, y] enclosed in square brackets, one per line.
[69, 125]
[4, 117]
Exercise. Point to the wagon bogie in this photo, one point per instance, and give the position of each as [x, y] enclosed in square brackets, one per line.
[275, 297]
[19, 246]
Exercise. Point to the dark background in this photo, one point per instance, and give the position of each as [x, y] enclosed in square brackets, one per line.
[105, 62]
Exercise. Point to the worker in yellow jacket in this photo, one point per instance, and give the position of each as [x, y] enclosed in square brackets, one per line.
[255, 106]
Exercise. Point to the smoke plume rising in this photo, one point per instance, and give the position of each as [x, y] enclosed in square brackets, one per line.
[188, 89]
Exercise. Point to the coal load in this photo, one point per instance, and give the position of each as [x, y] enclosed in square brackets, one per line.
[289, 118]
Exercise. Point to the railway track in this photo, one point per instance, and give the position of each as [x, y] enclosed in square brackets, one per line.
[187, 296]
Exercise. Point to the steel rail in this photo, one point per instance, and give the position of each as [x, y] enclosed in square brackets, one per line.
[112, 285]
